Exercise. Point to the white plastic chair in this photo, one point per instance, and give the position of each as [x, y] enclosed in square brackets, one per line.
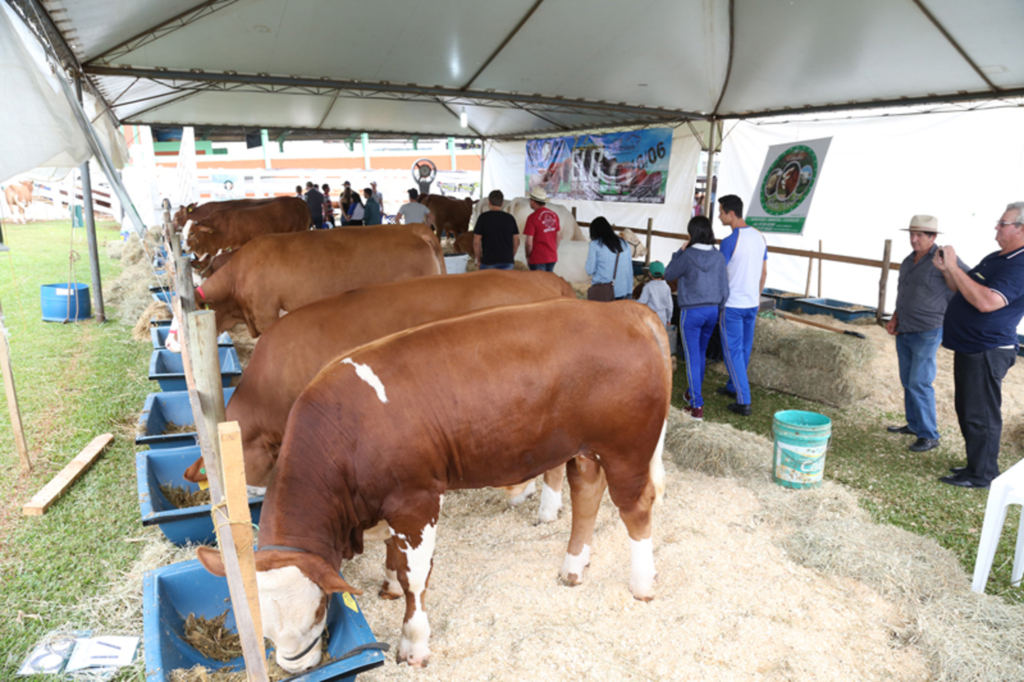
[1006, 489]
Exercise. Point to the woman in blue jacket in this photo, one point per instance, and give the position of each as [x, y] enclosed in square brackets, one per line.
[609, 261]
[702, 289]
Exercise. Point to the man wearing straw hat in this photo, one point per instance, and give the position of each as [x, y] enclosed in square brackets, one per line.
[980, 327]
[916, 323]
[542, 232]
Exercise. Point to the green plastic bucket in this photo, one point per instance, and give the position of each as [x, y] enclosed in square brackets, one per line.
[801, 439]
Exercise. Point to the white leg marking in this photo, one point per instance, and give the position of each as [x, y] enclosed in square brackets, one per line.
[574, 565]
[641, 578]
[550, 505]
[527, 493]
[366, 374]
[657, 469]
[414, 646]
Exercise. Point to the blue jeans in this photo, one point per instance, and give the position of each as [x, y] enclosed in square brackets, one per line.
[499, 266]
[738, 340]
[697, 325]
[549, 267]
[916, 353]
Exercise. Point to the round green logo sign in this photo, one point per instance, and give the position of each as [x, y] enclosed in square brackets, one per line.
[789, 180]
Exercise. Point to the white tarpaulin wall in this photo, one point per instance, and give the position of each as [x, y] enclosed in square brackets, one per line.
[505, 169]
[40, 128]
[963, 168]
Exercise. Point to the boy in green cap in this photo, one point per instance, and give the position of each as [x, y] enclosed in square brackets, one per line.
[656, 294]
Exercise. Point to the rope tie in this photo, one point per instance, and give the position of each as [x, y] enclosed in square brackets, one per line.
[218, 524]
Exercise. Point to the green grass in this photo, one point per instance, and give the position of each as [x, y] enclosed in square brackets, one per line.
[894, 485]
[74, 382]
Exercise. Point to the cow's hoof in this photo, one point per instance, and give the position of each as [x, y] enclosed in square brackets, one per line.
[550, 505]
[570, 579]
[407, 653]
[571, 572]
[385, 593]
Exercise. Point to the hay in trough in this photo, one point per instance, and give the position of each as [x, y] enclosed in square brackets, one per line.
[244, 344]
[211, 638]
[182, 498]
[275, 673]
[156, 309]
[715, 449]
[815, 364]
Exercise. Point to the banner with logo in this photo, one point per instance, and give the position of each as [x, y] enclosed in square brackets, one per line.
[785, 188]
[630, 166]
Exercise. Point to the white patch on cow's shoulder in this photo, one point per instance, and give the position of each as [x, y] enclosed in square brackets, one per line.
[288, 604]
[573, 565]
[550, 505]
[641, 577]
[366, 374]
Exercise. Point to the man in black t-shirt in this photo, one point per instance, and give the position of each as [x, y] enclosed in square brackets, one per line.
[315, 202]
[496, 236]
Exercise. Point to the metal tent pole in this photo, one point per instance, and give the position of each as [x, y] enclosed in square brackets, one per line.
[90, 230]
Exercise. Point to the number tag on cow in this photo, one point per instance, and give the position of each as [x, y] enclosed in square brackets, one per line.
[349, 601]
[203, 485]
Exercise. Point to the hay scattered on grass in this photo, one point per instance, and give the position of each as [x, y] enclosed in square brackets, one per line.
[818, 365]
[183, 498]
[715, 449]
[156, 309]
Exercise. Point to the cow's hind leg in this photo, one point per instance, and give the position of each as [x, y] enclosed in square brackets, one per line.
[635, 504]
[414, 537]
[586, 486]
[392, 588]
[517, 494]
[550, 496]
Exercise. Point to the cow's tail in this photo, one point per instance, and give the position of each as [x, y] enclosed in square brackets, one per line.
[657, 466]
[435, 244]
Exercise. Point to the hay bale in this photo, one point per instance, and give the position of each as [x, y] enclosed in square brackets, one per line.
[115, 249]
[156, 309]
[818, 365]
[716, 449]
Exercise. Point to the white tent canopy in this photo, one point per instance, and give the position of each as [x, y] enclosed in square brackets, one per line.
[524, 68]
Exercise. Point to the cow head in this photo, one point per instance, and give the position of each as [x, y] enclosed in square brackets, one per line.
[294, 590]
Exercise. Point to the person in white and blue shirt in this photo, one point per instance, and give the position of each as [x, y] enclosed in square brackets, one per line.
[746, 258]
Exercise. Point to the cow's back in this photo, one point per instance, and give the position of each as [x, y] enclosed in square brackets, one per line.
[297, 347]
[493, 397]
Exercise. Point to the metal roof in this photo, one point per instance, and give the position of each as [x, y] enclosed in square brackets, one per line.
[524, 68]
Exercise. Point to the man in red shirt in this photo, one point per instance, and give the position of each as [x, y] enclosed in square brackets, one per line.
[543, 233]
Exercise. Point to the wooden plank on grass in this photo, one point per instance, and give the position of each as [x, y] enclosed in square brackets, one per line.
[67, 476]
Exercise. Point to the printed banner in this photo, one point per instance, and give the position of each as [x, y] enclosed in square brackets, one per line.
[783, 196]
[629, 166]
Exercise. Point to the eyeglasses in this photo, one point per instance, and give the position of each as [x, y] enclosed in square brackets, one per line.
[1004, 223]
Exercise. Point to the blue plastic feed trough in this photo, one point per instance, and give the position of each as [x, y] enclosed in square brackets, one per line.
[154, 468]
[159, 336]
[841, 310]
[166, 369]
[784, 300]
[161, 294]
[63, 304]
[162, 413]
[171, 593]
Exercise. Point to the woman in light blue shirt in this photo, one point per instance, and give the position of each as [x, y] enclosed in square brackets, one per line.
[605, 248]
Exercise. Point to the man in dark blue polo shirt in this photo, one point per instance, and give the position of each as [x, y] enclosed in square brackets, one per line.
[917, 324]
[980, 327]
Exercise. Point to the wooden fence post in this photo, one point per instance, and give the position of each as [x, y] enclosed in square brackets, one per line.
[884, 281]
[12, 398]
[202, 372]
[820, 263]
[650, 228]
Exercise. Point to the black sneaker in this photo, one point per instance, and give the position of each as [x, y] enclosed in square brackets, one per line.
[722, 390]
[924, 444]
[905, 430]
[742, 410]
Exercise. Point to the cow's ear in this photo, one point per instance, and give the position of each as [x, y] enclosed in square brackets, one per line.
[317, 570]
[211, 560]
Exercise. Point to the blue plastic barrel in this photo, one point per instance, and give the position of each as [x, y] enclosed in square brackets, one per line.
[801, 439]
[55, 300]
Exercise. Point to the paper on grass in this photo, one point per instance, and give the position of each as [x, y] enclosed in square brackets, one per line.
[102, 652]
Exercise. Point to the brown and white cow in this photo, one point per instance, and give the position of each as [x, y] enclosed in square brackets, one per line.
[278, 273]
[231, 228]
[197, 212]
[18, 196]
[448, 213]
[486, 399]
[298, 346]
